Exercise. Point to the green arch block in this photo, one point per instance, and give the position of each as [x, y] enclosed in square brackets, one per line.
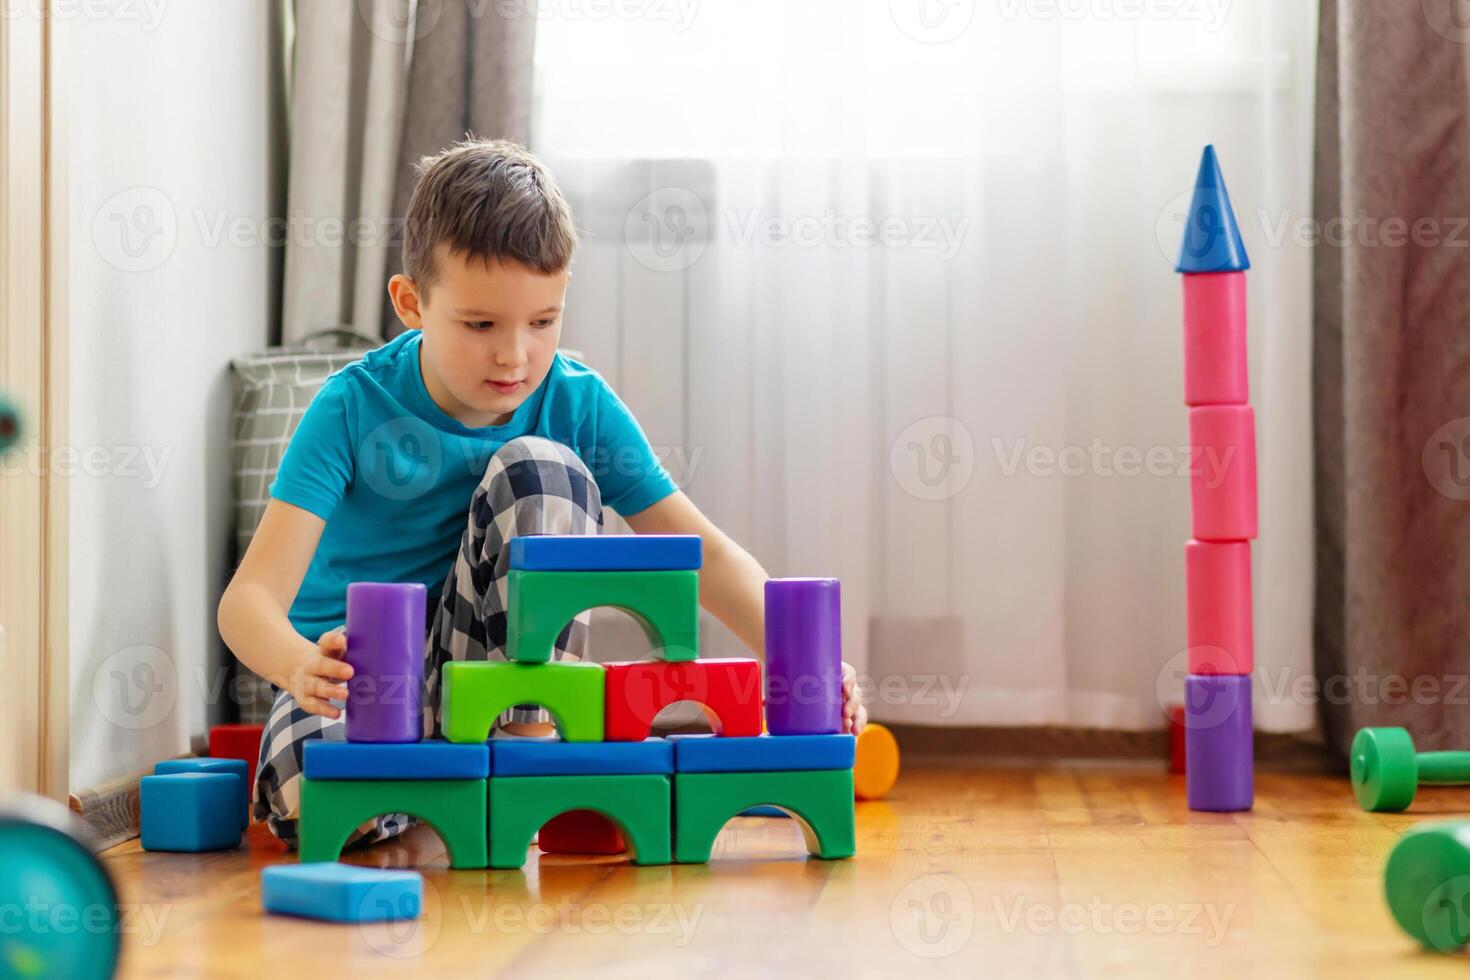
[332, 808]
[477, 691]
[639, 805]
[665, 604]
[821, 802]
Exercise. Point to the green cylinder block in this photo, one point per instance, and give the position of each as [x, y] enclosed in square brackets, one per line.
[665, 604]
[331, 809]
[639, 805]
[821, 801]
[477, 691]
[1427, 883]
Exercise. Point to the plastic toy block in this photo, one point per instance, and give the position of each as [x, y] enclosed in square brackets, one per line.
[476, 692]
[332, 808]
[803, 656]
[432, 759]
[341, 892]
[764, 811]
[580, 832]
[665, 604]
[1218, 589]
[1427, 884]
[237, 742]
[1386, 770]
[385, 646]
[763, 753]
[605, 552]
[190, 811]
[1212, 240]
[875, 769]
[540, 757]
[822, 801]
[727, 688]
[1177, 747]
[638, 805]
[1220, 762]
[232, 767]
[1214, 339]
[1222, 480]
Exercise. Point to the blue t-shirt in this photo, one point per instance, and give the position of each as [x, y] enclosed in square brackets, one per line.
[392, 474]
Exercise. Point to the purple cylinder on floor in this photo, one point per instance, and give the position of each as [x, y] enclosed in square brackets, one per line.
[803, 656]
[385, 646]
[1219, 771]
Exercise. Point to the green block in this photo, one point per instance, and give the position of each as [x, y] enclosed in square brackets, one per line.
[639, 805]
[665, 604]
[331, 809]
[821, 802]
[477, 691]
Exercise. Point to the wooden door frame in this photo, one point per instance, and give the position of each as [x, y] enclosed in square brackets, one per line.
[34, 652]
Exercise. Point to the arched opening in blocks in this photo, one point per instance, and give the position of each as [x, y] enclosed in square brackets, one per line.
[820, 802]
[332, 809]
[476, 693]
[728, 691]
[540, 604]
[638, 806]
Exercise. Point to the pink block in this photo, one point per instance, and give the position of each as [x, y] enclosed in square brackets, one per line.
[1214, 339]
[1222, 468]
[1218, 577]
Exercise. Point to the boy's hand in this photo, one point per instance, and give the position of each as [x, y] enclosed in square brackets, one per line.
[854, 715]
[318, 679]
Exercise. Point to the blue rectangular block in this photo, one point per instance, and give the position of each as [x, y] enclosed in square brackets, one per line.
[763, 753]
[605, 552]
[341, 892]
[542, 757]
[430, 759]
[190, 811]
[232, 767]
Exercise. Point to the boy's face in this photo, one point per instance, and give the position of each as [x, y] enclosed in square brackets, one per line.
[490, 333]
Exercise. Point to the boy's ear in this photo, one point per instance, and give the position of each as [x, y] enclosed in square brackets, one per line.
[405, 297]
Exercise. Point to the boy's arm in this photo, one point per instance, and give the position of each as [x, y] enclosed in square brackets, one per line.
[253, 612]
[732, 584]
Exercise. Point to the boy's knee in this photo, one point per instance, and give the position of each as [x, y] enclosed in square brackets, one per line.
[529, 467]
[537, 450]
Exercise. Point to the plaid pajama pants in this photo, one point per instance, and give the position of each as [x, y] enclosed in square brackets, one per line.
[531, 486]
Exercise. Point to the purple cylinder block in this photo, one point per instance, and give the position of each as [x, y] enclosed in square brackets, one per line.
[803, 656]
[385, 646]
[1219, 772]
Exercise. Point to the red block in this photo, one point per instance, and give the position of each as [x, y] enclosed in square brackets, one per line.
[729, 690]
[1177, 740]
[1222, 472]
[237, 742]
[580, 832]
[1218, 589]
[1214, 339]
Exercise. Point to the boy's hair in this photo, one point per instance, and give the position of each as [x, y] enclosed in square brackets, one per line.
[487, 199]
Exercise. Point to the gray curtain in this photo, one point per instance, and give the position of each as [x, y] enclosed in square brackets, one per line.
[1392, 370]
[377, 84]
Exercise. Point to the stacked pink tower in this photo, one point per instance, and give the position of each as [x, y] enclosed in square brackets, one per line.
[1220, 766]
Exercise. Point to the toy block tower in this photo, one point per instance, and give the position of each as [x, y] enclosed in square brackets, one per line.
[1219, 769]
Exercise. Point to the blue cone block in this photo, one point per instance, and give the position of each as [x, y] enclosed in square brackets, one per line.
[341, 892]
[233, 767]
[1212, 241]
[190, 811]
[605, 552]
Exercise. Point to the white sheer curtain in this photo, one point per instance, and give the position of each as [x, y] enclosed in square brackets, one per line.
[891, 285]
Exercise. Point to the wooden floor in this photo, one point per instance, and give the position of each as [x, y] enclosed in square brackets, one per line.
[1060, 871]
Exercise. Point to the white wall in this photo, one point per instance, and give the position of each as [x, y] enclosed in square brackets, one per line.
[168, 122]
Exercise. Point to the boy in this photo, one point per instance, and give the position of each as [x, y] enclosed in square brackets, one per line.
[429, 454]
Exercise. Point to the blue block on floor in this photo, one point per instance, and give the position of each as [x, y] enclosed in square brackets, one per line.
[605, 552]
[764, 811]
[190, 811]
[546, 757]
[341, 892]
[236, 767]
[431, 759]
[763, 753]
